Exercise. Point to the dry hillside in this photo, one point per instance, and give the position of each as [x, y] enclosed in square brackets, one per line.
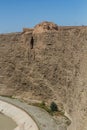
[47, 63]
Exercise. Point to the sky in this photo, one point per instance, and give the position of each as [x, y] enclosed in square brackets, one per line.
[16, 14]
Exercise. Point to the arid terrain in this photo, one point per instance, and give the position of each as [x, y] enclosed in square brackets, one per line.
[47, 63]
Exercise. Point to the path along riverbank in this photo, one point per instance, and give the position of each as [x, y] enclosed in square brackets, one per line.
[22, 119]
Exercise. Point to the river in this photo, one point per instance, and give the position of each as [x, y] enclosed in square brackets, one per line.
[6, 123]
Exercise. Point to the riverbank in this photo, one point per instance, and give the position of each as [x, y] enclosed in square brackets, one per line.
[41, 118]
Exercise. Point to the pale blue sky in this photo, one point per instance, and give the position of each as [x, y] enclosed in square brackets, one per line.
[16, 14]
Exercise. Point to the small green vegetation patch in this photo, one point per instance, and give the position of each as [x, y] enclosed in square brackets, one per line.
[50, 109]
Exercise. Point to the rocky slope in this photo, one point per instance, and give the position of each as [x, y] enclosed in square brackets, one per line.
[47, 63]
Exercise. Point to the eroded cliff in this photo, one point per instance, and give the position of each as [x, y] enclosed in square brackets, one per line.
[47, 63]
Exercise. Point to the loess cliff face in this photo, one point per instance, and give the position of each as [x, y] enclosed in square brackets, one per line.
[47, 65]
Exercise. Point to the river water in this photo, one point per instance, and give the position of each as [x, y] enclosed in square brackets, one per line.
[6, 123]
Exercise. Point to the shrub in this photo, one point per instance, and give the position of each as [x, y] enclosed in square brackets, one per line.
[53, 107]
